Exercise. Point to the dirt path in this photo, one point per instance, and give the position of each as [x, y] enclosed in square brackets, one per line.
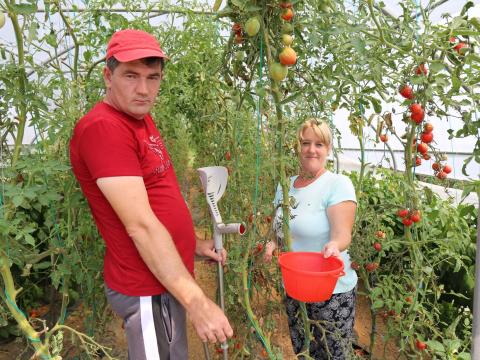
[206, 276]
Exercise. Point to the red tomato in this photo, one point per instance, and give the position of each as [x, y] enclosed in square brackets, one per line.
[436, 166]
[414, 108]
[237, 28]
[418, 161]
[426, 156]
[285, 5]
[461, 48]
[402, 213]
[427, 128]
[407, 222]
[422, 148]
[287, 15]
[238, 38]
[441, 175]
[415, 216]
[377, 246]
[421, 69]
[420, 345]
[406, 91]
[384, 138]
[417, 117]
[447, 169]
[288, 56]
[427, 138]
[228, 156]
[371, 267]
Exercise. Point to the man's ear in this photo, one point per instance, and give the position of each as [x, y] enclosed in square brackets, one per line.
[107, 77]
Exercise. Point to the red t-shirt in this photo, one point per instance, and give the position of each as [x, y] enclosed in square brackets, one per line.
[106, 143]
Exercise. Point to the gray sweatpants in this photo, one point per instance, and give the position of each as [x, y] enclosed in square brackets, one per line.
[155, 325]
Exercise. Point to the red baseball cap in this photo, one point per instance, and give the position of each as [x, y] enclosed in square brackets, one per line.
[128, 45]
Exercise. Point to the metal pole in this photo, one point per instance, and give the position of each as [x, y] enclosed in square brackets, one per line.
[205, 350]
[476, 294]
[218, 240]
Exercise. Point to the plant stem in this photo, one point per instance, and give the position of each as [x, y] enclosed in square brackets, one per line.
[10, 300]
[22, 85]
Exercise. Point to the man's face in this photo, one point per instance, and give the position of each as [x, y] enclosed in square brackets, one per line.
[133, 87]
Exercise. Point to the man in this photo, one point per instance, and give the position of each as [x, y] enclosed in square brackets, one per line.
[125, 172]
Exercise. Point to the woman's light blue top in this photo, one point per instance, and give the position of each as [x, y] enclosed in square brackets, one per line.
[309, 225]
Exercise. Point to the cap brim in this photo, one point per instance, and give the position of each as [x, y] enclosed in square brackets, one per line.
[131, 55]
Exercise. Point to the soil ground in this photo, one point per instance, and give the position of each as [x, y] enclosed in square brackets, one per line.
[114, 336]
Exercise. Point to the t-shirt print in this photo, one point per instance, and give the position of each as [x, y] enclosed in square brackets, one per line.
[155, 145]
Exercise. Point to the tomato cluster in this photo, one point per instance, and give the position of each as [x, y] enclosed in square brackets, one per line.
[417, 113]
[409, 217]
[288, 56]
[441, 171]
[238, 31]
[459, 46]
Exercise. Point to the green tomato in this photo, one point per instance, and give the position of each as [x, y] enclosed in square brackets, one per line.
[287, 28]
[278, 72]
[240, 55]
[252, 26]
[2, 19]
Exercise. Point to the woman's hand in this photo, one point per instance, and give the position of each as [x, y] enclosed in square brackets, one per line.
[269, 249]
[331, 249]
[207, 249]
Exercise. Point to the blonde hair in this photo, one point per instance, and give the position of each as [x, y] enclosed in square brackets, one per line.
[319, 127]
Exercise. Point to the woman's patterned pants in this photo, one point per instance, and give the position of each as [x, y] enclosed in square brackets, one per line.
[332, 329]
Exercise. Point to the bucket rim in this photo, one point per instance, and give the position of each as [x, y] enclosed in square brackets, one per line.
[338, 271]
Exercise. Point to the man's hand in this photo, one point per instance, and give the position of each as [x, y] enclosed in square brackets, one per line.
[205, 248]
[269, 249]
[209, 321]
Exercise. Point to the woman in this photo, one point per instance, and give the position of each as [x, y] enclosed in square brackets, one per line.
[321, 220]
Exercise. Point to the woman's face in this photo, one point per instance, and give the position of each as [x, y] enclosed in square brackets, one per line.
[313, 152]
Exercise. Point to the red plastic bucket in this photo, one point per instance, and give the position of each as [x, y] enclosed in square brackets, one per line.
[308, 276]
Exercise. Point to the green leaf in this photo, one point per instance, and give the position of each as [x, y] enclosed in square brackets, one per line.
[378, 304]
[17, 200]
[464, 356]
[253, 8]
[24, 9]
[359, 45]
[436, 346]
[32, 32]
[436, 66]
[457, 22]
[42, 265]
[427, 269]
[456, 83]
[239, 3]
[291, 97]
[465, 32]
[377, 106]
[51, 40]
[29, 239]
